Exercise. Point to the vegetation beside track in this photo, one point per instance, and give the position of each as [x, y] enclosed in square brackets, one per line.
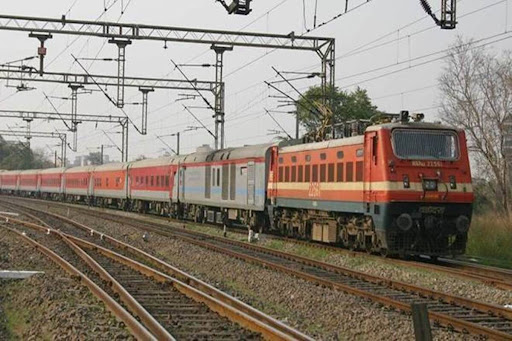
[490, 239]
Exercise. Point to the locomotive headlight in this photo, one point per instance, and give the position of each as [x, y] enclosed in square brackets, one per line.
[462, 224]
[429, 185]
[453, 183]
[407, 184]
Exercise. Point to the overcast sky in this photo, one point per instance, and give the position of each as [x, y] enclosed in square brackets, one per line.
[399, 66]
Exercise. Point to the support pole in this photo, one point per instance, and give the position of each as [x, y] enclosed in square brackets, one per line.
[297, 124]
[124, 148]
[178, 143]
[328, 76]
[63, 150]
[101, 155]
[74, 113]
[41, 51]
[219, 94]
[121, 63]
[422, 330]
[29, 135]
[145, 91]
[55, 159]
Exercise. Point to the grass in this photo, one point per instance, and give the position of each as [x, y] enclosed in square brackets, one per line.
[490, 238]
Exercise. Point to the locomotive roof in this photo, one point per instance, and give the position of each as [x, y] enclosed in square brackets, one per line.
[324, 144]
[255, 151]
[411, 125]
[161, 161]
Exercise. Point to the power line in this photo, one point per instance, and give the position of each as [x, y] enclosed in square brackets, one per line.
[429, 61]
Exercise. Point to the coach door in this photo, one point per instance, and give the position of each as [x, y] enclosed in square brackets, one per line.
[370, 161]
[251, 182]
[182, 183]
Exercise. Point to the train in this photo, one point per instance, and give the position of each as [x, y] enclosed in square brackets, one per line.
[401, 187]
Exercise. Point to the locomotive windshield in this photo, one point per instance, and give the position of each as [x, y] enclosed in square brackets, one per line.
[425, 144]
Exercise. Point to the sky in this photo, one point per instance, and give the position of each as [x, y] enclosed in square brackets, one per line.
[391, 48]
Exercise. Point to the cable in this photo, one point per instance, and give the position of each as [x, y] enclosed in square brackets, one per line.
[428, 61]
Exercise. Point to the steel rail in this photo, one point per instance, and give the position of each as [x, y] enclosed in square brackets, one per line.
[218, 301]
[206, 240]
[147, 319]
[493, 276]
[134, 326]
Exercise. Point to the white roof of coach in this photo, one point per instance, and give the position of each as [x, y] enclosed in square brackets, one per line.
[30, 171]
[228, 154]
[82, 169]
[348, 141]
[11, 172]
[161, 161]
[111, 167]
[52, 170]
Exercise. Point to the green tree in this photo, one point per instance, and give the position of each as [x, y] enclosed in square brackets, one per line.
[345, 106]
[18, 156]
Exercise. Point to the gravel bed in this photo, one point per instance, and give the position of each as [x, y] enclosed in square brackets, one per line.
[52, 306]
[320, 312]
[451, 284]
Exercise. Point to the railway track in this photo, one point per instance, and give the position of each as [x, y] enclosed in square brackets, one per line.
[179, 307]
[464, 315]
[493, 276]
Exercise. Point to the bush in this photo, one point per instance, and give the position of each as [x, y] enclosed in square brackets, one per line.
[490, 237]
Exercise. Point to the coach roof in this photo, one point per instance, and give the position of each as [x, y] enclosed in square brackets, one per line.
[118, 166]
[52, 171]
[161, 161]
[246, 152]
[82, 169]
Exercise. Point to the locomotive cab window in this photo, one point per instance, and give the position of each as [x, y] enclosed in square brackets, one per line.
[412, 144]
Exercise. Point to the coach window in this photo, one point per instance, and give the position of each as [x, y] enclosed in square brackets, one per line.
[322, 172]
[136, 180]
[287, 174]
[350, 172]
[294, 159]
[307, 173]
[294, 174]
[323, 156]
[213, 177]
[339, 173]
[315, 173]
[281, 174]
[330, 172]
[106, 182]
[157, 181]
[300, 173]
[152, 180]
[359, 171]
[167, 180]
[162, 180]
[147, 182]
[218, 177]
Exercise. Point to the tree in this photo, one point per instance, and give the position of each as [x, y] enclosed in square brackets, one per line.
[477, 96]
[95, 158]
[18, 156]
[345, 106]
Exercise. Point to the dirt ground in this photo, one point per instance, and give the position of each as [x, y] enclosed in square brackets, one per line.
[51, 306]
